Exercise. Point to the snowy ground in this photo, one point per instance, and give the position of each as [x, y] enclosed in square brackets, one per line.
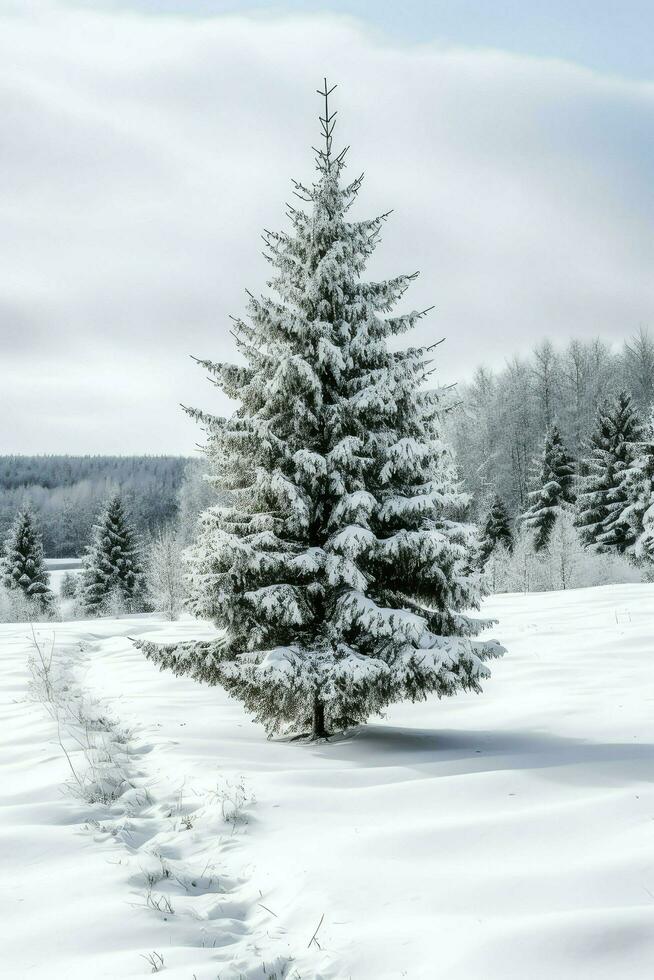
[504, 837]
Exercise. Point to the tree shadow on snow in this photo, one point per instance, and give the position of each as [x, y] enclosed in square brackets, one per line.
[449, 752]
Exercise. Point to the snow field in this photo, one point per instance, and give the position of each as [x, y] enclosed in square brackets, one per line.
[507, 836]
[176, 847]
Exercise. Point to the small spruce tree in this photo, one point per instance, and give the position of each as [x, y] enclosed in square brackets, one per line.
[555, 489]
[602, 496]
[340, 575]
[113, 578]
[496, 530]
[68, 588]
[24, 565]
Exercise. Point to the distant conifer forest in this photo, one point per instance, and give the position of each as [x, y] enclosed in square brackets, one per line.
[66, 494]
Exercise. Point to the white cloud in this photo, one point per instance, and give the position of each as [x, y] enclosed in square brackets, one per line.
[142, 156]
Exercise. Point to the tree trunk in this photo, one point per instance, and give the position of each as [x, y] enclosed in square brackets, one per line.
[318, 730]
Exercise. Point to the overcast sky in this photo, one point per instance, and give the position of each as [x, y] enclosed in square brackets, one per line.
[145, 145]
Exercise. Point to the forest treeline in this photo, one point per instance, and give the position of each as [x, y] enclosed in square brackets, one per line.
[497, 430]
[66, 493]
[498, 427]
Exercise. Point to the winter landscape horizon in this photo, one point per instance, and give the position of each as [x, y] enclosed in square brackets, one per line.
[327, 490]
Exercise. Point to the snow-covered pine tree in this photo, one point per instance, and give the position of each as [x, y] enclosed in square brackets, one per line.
[339, 576]
[113, 576]
[68, 588]
[637, 484]
[24, 565]
[602, 496]
[555, 489]
[496, 530]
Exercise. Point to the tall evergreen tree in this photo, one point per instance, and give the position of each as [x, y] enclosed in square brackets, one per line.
[555, 489]
[339, 575]
[496, 530]
[24, 565]
[602, 494]
[113, 574]
[637, 484]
